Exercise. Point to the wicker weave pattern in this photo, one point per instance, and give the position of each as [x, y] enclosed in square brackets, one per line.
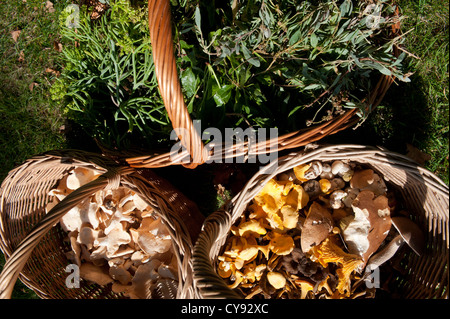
[29, 238]
[195, 153]
[425, 196]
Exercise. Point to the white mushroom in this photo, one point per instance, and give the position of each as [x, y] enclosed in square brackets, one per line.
[116, 219]
[80, 176]
[140, 203]
[117, 236]
[352, 193]
[88, 237]
[314, 170]
[336, 198]
[339, 168]
[326, 171]
[153, 236]
[71, 221]
[88, 213]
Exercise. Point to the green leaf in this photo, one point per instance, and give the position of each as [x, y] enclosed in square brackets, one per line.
[189, 82]
[314, 40]
[198, 18]
[222, 95]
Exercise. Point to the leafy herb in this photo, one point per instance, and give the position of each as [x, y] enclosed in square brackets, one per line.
[284, 63]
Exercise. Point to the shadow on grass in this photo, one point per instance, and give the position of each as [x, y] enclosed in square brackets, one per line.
[402, 118]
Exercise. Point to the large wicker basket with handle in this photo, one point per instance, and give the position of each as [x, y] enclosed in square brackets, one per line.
[425, 196]
[35, 244]
[195, 153]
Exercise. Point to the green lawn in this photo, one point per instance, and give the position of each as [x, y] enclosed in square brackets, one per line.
[416, 113]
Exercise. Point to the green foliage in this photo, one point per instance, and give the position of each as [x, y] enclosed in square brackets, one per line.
[108, 81]
[283, 63]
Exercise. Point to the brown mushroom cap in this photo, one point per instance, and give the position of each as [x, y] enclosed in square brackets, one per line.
[318, 224]
[378, 216]
[411, 233]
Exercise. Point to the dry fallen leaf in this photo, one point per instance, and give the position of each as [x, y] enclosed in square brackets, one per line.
[49, 7]
[53, 72]
[15, 35]
[21, 56]
[57, 45]
[32, 85]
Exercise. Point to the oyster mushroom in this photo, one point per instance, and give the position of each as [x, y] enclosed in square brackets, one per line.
[318, 224]
[96, 274]
[409, 233]
[80, 176]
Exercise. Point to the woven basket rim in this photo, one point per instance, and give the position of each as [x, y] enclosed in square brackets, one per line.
[114, 176]
[217, 225]
[195, 151]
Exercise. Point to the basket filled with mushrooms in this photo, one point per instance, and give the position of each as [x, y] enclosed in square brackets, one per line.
[332, 222]
[79, 225]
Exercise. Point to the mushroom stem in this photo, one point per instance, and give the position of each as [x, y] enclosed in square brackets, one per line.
[385, 254]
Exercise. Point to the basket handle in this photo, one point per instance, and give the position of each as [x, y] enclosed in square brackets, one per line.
[170, 88]
[160, 26]
[20, 256]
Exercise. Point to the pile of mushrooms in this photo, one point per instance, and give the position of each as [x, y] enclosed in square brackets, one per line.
[314, 232]
[116, 239]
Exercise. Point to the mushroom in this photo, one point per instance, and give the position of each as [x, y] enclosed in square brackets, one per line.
[80, 176]
[364, 232]
[336, 199]
[339, 168]
[328, 251]
[409, 232]
[312, 188]
[252, 227]
[368, 180]
[153, 236]
[88, 213]
[314, 170]
[116, 237]
[326, 171]
[276, 279]
[281, 244]
[305, 287]
[325, 185]
[96, 274]
[120, 274]
[71, 221]
[88, 237]
[318, 224]
[300, 171]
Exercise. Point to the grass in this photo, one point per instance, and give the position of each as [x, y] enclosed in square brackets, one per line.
[416, 113]
[30, 122]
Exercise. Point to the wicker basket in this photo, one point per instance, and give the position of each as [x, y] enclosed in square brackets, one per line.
[425, 196]
[195, 152]
[35, 248]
